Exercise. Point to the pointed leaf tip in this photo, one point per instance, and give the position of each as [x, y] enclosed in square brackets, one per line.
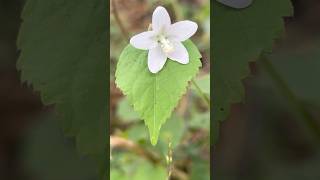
[154, 96]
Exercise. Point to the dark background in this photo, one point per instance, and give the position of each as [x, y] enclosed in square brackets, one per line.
[267, 137]
[17, 103]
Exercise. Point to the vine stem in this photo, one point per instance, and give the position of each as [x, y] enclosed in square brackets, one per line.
[124, 32]
[291, 97]
[201, 93]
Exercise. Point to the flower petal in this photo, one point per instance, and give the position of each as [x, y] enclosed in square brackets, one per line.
[182, 30]
[145, 40]
[156, 59]
[180, 53]
[160, 19]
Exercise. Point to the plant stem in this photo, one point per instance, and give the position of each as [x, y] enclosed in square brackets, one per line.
[124, 32]
[202, 94]
[291, 97]
[169, 160]
[117, 142]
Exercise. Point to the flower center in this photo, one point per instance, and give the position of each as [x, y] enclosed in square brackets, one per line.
[165, 44]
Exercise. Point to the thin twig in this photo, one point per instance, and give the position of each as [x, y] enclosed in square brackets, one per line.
[124, 32]
[119, 142]
[169, 160]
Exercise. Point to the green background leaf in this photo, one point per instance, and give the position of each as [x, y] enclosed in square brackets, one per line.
[134, 168]
[154, 96]
[50, 156]
[63, 55]
[125, 111]
[240, 36]
[203, 83]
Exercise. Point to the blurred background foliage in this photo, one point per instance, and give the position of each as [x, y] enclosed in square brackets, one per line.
[275, 133]
[187, 131]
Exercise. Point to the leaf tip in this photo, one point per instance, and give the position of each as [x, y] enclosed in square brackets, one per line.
[154, 140]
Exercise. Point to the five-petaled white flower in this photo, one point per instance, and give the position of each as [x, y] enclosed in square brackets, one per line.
[164, 40]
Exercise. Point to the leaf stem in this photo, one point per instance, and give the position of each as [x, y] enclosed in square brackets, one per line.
[124, 32]
[201, 93]
[291, 97]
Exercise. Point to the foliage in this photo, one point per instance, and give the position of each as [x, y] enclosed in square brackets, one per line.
[299, 67]
[134, 168]
[125, 112]
[63, 55]
[50, 156]
[240, 36]
[154, 96]
[182, 129]
[203, 83]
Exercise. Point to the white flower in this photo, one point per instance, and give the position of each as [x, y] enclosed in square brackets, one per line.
[164, 40]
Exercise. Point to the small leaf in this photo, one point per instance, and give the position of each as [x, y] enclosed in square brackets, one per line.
[154, 96]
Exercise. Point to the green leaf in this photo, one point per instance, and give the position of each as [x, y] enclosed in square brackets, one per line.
[63, 163]
[154, 96]
[200, 120]
[203, 83]
[172, 131]
[63, 55]
[299, 68]
[136, 169]
[145, 170]
[200, 169]
[137, 133]
[124, 111]
[240, 36]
